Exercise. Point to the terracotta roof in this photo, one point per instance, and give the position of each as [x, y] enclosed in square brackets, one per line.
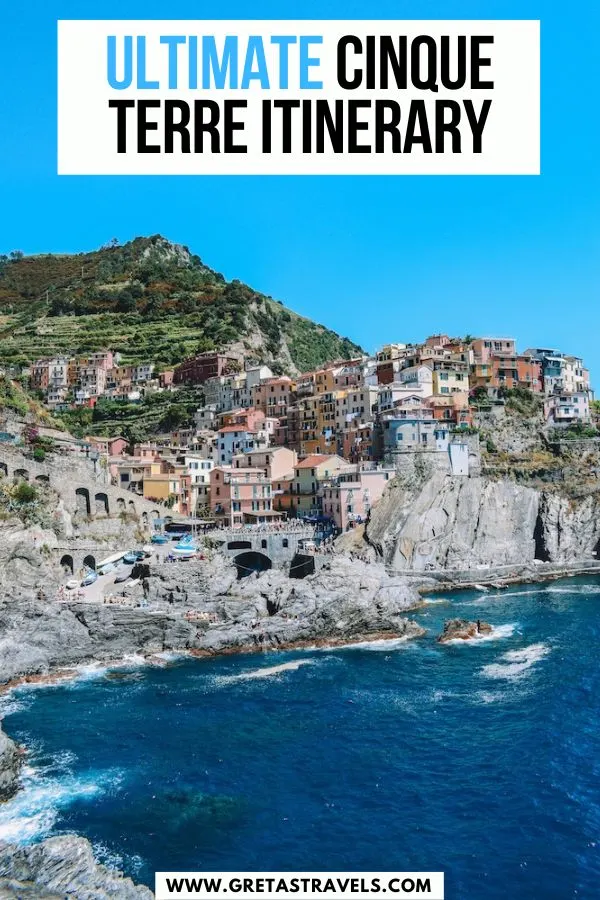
[312, 461]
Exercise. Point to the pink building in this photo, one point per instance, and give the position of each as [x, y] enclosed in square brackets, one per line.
[348, 497]
[115, 446]
[273, 396]
[249, 419]
[102, 359]
[487, 347]
[277, 462]
[146, 452]
[240, 496]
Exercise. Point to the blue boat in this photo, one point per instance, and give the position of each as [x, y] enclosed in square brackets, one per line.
[159, 539]
[185, 547]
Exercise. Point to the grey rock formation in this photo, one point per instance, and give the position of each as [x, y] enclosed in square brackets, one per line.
[455, 523]
[346, 599]
[25, 558]
[10, 767]
[567, 529]
[62, 867]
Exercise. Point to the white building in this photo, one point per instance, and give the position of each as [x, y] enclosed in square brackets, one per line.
[567, 409]
[256, 374]
[418, 378]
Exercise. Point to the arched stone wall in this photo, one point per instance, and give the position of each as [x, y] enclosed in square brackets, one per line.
[82, 497]
[251, 561]
[101, 501]
[66, 563]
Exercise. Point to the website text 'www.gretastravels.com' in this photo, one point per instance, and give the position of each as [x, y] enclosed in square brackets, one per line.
[299, 885]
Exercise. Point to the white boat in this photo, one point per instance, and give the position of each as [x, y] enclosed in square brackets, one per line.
[480, 587]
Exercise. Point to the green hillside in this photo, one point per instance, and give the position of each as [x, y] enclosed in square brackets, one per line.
[150, 300]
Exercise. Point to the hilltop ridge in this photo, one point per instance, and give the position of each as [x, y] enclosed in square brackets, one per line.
[149, 298]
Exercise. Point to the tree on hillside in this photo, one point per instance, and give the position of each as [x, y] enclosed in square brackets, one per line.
[126, 302]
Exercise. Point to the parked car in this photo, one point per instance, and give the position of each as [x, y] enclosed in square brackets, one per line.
[160, 539]
[72, 584]
[90, 578]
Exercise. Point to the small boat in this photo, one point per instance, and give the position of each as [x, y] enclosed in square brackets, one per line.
[186, 548]
[160, 539]
[480, 587]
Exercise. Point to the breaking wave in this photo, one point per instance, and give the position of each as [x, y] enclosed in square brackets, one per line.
[33, 812]
[516, 663]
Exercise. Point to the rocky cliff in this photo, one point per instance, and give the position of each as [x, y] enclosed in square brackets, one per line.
[62, 867]
[10, 766]
[457, 523]
[346, 600]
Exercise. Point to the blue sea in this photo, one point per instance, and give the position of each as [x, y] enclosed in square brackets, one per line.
[479, 759]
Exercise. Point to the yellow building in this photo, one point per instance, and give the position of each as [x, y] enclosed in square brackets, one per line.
[164, 482]
[450, 377]
[308, 476]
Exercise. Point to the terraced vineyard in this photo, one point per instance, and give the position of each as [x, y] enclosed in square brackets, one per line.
[137, 340]
[149, 300]
[156, 414]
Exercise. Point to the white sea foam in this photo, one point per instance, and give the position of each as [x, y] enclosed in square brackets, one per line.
[379, 645]
[267, 671]
[516, 663]
[430, 601]
[95, 670]
[498, 632]
[584, 589]
[9, 704]
[109, 858]
[487, 697]
[32, 813]
[170, 655]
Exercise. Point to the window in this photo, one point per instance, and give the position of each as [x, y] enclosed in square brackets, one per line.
[285, 543]
[263, 544]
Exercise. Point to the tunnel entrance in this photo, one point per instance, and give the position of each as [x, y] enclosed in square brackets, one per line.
[302, 565]
[67, 564]
[250, 562]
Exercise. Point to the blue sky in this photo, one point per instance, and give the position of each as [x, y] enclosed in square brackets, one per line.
[376, 259]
